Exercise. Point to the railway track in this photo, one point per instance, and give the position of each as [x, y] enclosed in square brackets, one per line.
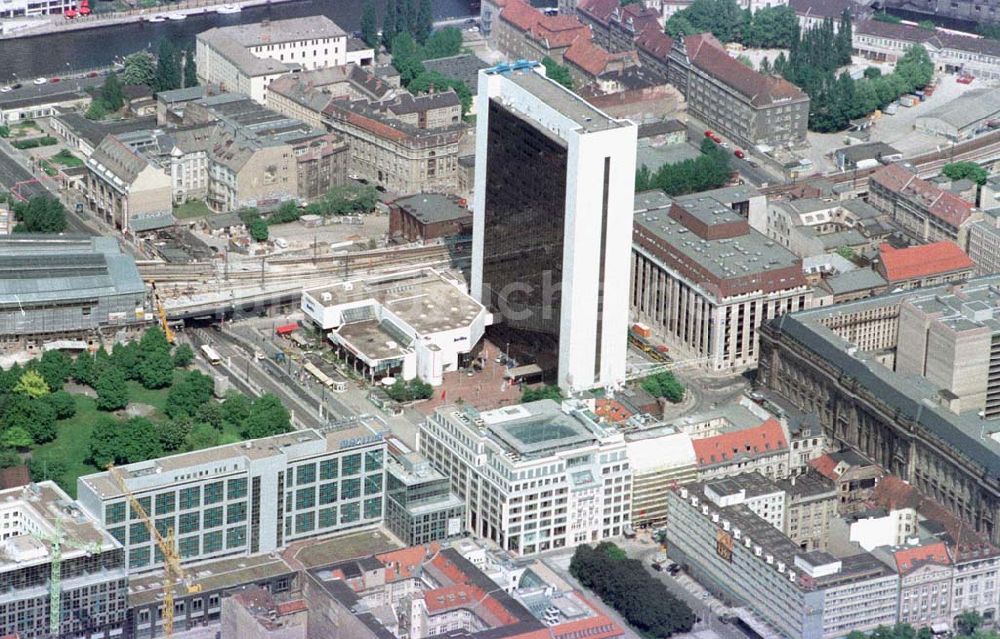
[926, 163]
[289, 269]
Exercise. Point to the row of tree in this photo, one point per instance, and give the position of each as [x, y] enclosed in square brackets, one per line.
[624, 584]
[710, 170]
[967, 625]
[836, 100]
[40, 214]
[408, 56]
[415, 17]
[194, 421]
[769, 27]
[410, 391]
[557, 72]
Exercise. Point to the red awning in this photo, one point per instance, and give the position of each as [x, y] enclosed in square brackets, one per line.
[286, 329]
[70, 13]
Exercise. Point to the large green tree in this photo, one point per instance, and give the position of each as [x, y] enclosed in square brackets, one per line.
[188, 394]
[168, 66]
[772, 28]
[111, 388]
[155, 367]
[557, 72]
[55, 367]
[140, 69]
[369, 24]
[389, 21]
[63, 404]
[32, 384]
[127, 442]
[443, 43]
[190, 68]
[112, 93]
[966, 170]
[35, 415]
[723, 18]
[267, 417]
[40, 214]
[424, 21]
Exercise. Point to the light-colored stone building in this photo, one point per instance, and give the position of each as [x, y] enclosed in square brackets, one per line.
[409, 146]
[126, 188]
[247, 58]
[234, 153]
[705, 281]
[304, 95]
[810, 505]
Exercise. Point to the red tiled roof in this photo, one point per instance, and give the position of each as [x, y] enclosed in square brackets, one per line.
[913, 262]
[826, 466]
[707, 54]
[407, 560]
[454, 596]
[655, 42]
[892, 493]
[944, 205]
[599, 10]
[560, 31]
[910, 559]
[588, 56]
[521, 14]
[596, 627]
[766, 438]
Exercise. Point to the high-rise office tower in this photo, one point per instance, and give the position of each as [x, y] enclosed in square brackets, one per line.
[552, 228]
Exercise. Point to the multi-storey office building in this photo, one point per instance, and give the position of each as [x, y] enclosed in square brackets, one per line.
[811, 595]
[535, 476]
[922, 210]
[705, 281]
[419, 504]
[838, 362]
[551, 224]
[748, 107]
[94, 584]
[246, 58]
[240, 499]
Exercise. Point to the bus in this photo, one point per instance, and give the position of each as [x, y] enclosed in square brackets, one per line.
[211, 355]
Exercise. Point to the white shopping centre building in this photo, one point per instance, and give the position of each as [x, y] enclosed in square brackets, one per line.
[413, 324]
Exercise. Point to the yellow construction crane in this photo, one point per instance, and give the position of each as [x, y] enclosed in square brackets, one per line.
[172, 570]
[162, 312]
[57, 540]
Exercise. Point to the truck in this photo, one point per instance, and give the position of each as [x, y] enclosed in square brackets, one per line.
[867, 163]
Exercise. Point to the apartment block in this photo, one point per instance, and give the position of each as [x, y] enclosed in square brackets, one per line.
[922, 211]
[534, 477]
[126, 189]
[742, 557]
[246, 58]
[94, 583]
[810, 505]
[246, 498]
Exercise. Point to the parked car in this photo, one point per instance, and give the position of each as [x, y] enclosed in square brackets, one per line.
[739, 153]
[5, 89]
[40, 80]
[54, 80]
[709, 134]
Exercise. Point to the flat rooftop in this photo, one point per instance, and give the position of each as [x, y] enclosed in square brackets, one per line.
[277, 31]
[212, 576]
[564, 101]
[753, 484]
[537, 428]
[356, 434]
[913, 396]
[424, 299]
[728, 258]
[42, 505]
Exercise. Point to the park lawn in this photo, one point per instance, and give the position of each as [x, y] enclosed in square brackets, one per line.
[72, 444]
[192, 209]
[66, 159]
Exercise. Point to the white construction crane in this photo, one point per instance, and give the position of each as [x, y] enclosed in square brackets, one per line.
[57, 540]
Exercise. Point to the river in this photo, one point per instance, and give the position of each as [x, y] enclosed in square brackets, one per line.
[54, 54]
